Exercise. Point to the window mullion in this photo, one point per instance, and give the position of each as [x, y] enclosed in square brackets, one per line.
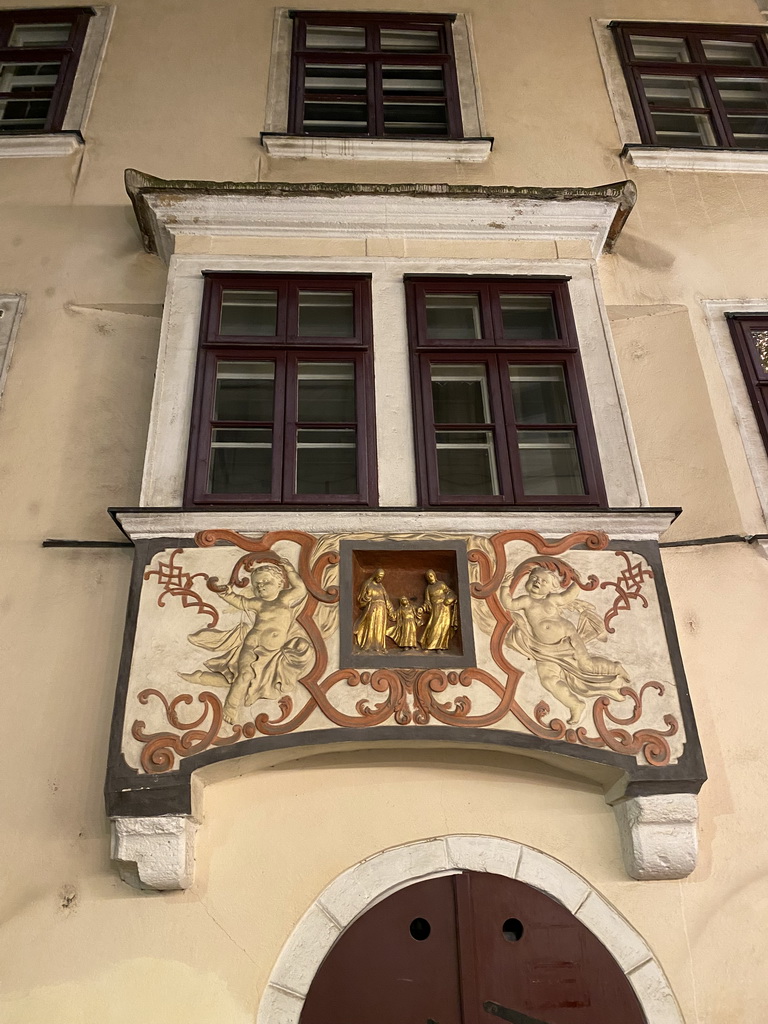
[375, 99]
[719, 117]
[284, 429]
[509, 451]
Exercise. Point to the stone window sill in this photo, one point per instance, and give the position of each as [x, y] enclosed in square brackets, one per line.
[724, 161]
[301, 147]
[55, 144]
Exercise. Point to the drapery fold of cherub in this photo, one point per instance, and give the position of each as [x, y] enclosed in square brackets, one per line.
[274, 673]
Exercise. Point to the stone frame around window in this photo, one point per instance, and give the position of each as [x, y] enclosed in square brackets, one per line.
[69, 139]
[633, 149]
[11, 307]
[474, 147]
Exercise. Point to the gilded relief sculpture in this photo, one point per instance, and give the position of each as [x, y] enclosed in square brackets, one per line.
[264, 656]
[440, 607]
[407, 619]
[377, 612]
[543, 631]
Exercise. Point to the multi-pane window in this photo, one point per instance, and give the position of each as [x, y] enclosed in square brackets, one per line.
[39, 50]
[283, 401]
[502, 413]
[374, 75]
[697, 85]
[750, 336]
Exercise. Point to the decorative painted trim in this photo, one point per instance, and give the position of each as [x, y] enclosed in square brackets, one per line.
[659, 838]
[155, 853]
[11, 307]
[56, 144]
[754, 448]
[167, 209]
[630, 524]
[302, 147]
[723, 161]
[361, 886]
[279, 84]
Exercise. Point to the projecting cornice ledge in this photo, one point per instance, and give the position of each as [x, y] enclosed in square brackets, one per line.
[166, 210]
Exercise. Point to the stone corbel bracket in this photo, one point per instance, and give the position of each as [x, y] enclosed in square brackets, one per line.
[658, 833]
[155, 852]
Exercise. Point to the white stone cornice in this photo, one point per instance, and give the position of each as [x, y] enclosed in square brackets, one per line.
[167, 210]
[55, 144]
[149, 524]
[302, 147]
[723, 161]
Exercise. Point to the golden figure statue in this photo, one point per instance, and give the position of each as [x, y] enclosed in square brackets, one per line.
[440, 606]
[371, 629]
[407, 618]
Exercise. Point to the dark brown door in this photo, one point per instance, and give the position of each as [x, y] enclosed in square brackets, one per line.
[441, 950]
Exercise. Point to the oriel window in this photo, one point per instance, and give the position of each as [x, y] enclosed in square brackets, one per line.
[502, 414]
[697, 86]
[39, 51]
[374, 75]
[283, 403]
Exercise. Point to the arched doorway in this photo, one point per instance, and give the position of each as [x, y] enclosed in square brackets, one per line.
[462, 948]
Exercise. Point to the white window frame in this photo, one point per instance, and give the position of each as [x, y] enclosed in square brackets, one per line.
[633, 150]
[166, 458]
[11, 307]
[473, 148]
[69, 139]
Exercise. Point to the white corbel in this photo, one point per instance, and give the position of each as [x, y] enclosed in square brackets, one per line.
[155, 852]
[659, 838]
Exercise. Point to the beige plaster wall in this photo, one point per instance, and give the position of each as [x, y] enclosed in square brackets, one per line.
[181, 94]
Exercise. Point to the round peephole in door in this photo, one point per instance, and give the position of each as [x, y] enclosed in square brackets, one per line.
[512, 929]
[420, 929]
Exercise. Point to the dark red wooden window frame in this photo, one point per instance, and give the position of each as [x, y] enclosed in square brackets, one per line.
[373, 57]
[285, 349]
[755, 376]
[68, 54]
[699, 67]
[495, 352]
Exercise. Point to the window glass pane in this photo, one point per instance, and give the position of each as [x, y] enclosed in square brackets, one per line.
[760, 339]
[411, 79]
[527, 317]
[466, 463]
[326, 392]
[251, 313]
[40, 78]
[241, 462]
[335, 37]
[326, 462]
[453, 316]
[23, 115]
[410, 40]
[335, 78]
[749, 132]
[326, 315]
[660, 48]
[460, 394]
[244, 391]
[743, 93]
[673, 91]
[53, 34]
[731, 51]
[691, 130]
[346, 118]
[415, 119]
[539, 394]
[549, 462]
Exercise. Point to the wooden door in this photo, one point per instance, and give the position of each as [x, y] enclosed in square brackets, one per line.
[445, 949]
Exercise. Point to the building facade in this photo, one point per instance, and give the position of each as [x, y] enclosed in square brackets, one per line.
[385, 484]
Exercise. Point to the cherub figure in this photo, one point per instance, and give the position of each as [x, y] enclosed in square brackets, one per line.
[542, 631]
[407, 618]
[263, 659]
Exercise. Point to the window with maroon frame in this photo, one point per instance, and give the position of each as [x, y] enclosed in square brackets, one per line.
[39, 51]
[374, 76]
[750, 336]
[283, 408]
[502, 414]
[697, 85]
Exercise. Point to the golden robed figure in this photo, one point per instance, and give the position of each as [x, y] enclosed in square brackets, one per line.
[371, 629]
[440, 607]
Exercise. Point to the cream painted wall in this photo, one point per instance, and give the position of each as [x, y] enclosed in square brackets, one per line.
[181, 94]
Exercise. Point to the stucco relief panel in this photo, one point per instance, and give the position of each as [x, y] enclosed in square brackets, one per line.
[239, 638]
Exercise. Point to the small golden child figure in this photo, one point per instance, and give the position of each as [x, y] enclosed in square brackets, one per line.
[407, 618]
